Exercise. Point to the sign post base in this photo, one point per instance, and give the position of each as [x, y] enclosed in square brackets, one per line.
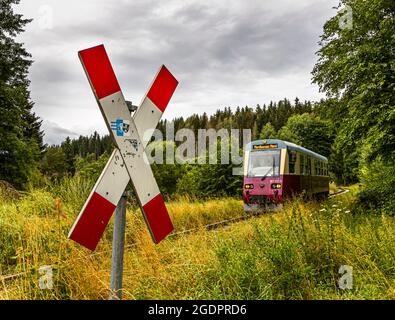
[118, 246]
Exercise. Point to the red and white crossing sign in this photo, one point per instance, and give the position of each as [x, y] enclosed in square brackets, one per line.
[127, 160]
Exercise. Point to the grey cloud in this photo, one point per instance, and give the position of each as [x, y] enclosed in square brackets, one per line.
[215, 49]
[55, 134]
[226, 42]
[53, 71]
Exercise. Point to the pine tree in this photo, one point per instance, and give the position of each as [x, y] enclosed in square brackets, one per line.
[20, 134]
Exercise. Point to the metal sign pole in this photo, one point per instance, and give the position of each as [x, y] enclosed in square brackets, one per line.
[118, 245]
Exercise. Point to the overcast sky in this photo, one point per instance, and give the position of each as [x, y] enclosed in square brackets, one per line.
[224, 53]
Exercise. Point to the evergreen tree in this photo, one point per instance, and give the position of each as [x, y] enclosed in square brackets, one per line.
[67, 148]
[20, 134]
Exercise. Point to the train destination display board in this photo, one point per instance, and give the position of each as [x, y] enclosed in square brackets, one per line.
[265, 146]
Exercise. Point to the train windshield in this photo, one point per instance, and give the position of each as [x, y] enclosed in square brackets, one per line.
[264, 163]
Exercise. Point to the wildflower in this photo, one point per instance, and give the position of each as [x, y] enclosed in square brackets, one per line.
[58, 203]
[322, 210]
[347, 211]
[334, 206]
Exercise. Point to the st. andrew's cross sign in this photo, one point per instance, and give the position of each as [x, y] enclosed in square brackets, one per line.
[127, 160]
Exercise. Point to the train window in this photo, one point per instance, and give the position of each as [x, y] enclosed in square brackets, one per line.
[292, 161]
[308, 168]
[301, 164]
[264, 164]
[291, 167]
[292, 156]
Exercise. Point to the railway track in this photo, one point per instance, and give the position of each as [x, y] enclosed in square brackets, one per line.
[339, 192]
[224, 223]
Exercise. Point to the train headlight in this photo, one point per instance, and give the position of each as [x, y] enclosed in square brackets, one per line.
[276, 185]
[249, 186]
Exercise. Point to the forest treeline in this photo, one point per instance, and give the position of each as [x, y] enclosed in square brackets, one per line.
[354, 126]
[87, 155]
[270, 117]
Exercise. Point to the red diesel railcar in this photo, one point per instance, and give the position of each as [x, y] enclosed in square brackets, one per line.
[276, 169]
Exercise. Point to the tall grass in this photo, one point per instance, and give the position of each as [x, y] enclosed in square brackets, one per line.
[292, 254]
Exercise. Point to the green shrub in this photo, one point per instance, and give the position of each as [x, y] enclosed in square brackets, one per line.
[378, 188]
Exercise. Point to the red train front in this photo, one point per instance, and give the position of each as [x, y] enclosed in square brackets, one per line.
[275, 169]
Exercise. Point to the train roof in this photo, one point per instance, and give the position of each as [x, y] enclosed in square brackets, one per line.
[281, 144]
